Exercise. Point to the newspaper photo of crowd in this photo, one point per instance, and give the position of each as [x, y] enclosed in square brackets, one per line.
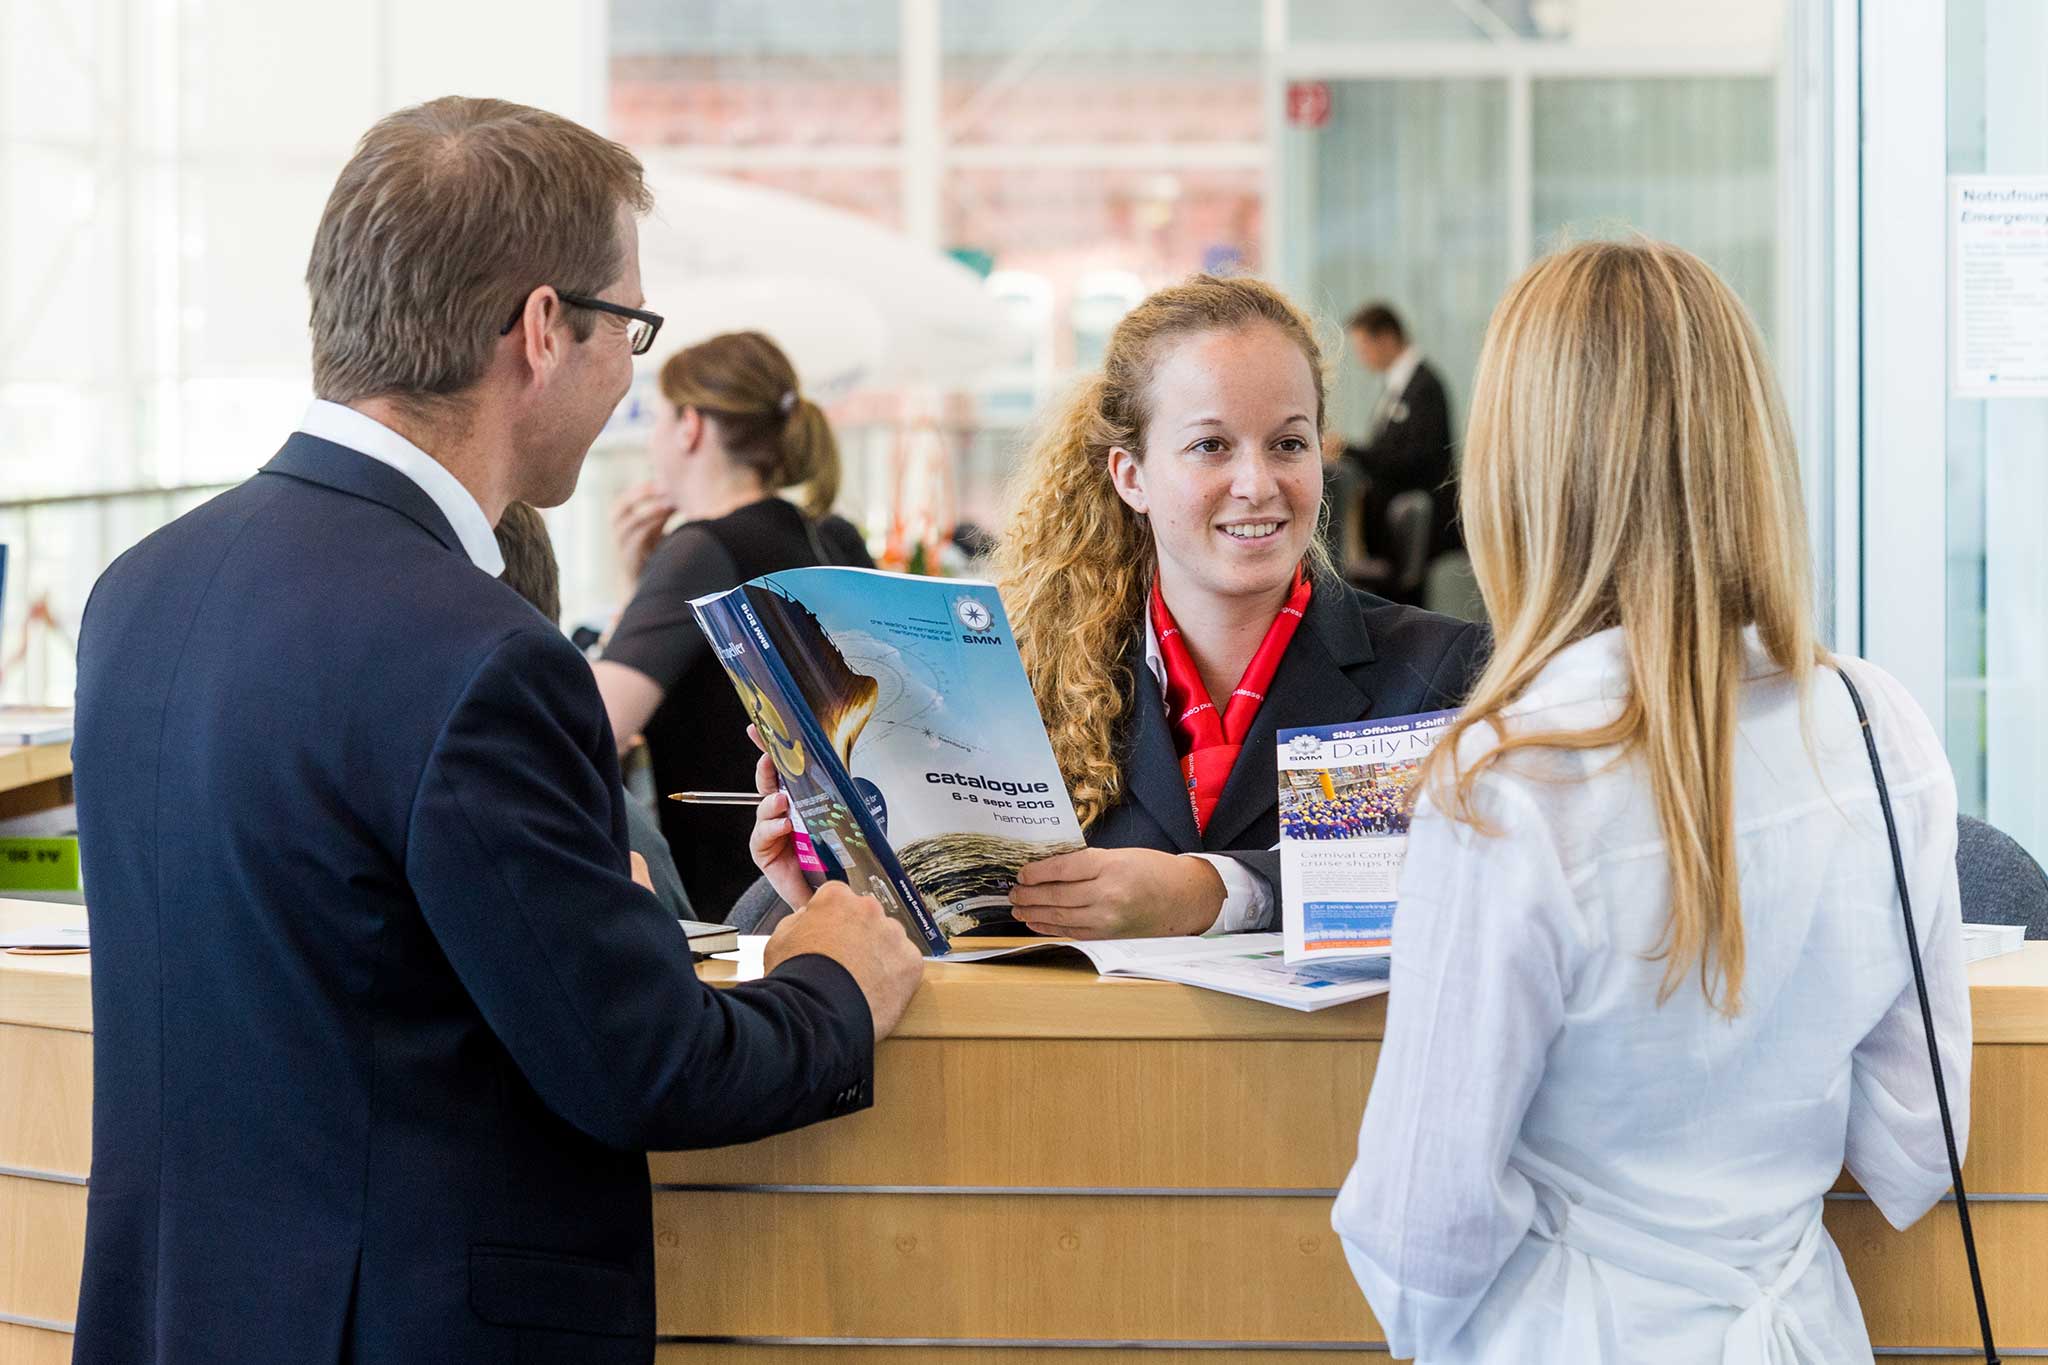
[1345, 803]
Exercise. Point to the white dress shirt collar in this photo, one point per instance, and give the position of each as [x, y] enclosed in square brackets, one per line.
[367, 436]
[1401, 371]
[1154, 659]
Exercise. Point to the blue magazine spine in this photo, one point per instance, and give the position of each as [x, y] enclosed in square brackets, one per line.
[823, 754]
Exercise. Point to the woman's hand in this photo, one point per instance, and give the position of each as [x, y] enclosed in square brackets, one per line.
[1118, 893]
[638, 515]
[773, 842]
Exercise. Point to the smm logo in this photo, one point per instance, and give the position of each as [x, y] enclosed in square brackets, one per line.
[973, 615]
[1304, 746]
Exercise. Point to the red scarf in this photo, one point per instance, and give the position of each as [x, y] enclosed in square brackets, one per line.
[1209, 743]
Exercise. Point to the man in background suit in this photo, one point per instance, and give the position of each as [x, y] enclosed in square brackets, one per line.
[383, 1026]
[1408, 439]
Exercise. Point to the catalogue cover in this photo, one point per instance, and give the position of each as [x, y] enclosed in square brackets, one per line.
[897, 711]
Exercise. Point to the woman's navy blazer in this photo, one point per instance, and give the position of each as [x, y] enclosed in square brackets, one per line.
[1355, 657]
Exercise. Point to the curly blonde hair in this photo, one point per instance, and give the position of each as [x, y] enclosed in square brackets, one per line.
[1075, 563]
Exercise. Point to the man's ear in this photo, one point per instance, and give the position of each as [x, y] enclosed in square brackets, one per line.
[542, 344]
[1127, 476]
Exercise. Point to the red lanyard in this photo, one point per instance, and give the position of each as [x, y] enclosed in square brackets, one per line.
[1209, 742]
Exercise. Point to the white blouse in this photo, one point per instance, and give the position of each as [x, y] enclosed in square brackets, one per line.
[1553, 1166]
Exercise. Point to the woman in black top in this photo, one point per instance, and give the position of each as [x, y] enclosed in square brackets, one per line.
[731, 434]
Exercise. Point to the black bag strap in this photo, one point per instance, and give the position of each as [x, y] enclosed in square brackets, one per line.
[1948, 1126]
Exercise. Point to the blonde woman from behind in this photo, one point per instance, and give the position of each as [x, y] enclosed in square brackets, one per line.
[1651, 985]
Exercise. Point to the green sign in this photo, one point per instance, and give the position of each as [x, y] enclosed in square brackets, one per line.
[39, 865]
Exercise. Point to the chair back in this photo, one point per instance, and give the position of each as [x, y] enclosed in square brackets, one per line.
[758, 910]
[1344, 513]
[1409, 516]
[2001, 883]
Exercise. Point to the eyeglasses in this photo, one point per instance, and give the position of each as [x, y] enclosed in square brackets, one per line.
[641, 326]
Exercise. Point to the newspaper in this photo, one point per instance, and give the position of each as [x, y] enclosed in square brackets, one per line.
[1253, 966]
[1346, 795]
[898, 714]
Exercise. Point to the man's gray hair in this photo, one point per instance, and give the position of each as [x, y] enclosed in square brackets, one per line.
[448, 215]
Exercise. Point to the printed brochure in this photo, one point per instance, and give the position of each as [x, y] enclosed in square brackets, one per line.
[898, 714]
[1247, 965]
[1346, 794]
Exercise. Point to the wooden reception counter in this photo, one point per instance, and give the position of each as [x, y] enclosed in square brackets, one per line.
[1057, 1169]
[34, 777]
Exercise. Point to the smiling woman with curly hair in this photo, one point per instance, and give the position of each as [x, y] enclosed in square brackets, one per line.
[1162, 551]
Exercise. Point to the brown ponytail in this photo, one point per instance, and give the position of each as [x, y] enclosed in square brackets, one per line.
[742, 382]
[810, 456]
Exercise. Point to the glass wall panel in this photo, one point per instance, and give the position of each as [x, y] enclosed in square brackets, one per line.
[1402, 197]
[1997, 463]
[162, 167]
[50, 77]
[54, 293]
[738, 73]
[152, 232]
[1096, 71]
[1430, 21]
[1691, 159]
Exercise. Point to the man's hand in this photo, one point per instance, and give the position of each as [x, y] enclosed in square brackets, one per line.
[853, 931]
[641, 874]
[773, 842]
[1118, 893]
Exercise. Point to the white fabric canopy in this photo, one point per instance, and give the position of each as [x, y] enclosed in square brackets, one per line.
[854, 304]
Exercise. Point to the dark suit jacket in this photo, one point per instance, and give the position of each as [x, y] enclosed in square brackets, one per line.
[382, 1027]
[1355, 656]
[1412, 450]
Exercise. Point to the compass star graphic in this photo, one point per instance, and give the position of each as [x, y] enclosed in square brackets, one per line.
[973, 615]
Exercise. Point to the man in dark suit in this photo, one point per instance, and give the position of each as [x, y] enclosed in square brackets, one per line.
[531, 571]
[383, 1026]
[1408, 439]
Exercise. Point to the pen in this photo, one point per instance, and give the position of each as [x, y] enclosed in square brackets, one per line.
[718, 798]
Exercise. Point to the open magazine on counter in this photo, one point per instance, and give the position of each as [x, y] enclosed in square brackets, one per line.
[898, 714]
[1248, 965]
[1346, 795]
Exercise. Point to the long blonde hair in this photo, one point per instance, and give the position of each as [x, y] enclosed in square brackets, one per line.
[744, 383]
[1629, 464]
[1076, 563]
